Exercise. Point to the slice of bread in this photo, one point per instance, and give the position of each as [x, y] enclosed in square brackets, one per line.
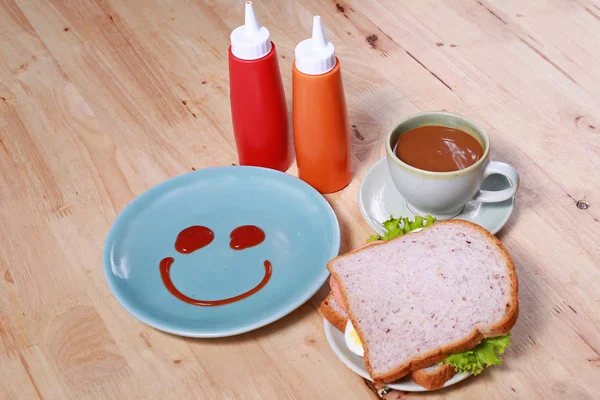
[432, 377]
[334, 313]
[419, 297]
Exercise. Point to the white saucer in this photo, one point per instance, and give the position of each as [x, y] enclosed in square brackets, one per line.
[378, 199]
[357, 364]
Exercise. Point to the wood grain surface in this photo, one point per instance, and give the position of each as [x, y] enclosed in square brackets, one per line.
[102, 99]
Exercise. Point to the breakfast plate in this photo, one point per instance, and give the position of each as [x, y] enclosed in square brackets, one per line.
[337, 342]
[220, 251]
[378, 199]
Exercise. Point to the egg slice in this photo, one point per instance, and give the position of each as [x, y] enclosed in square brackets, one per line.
[353, 341]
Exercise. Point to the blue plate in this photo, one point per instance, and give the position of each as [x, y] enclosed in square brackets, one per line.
[302, 234]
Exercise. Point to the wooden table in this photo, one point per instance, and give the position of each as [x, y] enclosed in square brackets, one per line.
[102, 99]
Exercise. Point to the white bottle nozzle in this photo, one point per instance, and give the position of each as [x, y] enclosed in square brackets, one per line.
[315, 56]
[251, 40]
[318, 34]
[251, 25]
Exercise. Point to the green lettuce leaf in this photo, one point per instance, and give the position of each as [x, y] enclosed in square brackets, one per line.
[393, 228]
[485, 354]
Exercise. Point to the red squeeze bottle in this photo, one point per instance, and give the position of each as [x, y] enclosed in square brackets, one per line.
[258, 107]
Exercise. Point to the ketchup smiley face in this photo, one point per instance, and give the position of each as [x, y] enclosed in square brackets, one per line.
[196, 237]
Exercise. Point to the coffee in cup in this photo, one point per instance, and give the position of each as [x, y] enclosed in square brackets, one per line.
[438, 148]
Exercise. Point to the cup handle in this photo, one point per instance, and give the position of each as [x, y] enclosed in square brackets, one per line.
[496, 167]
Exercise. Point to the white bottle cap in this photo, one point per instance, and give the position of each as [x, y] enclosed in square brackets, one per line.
[315, 56]
[251, 40]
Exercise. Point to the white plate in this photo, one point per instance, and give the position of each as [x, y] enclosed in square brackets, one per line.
[357, 364]
[378, 199]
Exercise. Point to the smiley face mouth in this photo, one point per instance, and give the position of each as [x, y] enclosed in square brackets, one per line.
[165, 273]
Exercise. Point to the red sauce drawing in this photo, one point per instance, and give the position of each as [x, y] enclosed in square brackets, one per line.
[195, 237]
[246, 236]
[165, 267]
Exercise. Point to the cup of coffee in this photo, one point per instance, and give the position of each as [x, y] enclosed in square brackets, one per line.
[438, 161]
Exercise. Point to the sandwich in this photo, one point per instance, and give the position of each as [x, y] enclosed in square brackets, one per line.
[425, 303]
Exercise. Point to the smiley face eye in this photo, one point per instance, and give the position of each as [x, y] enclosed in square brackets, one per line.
[193, 238]
[246, 236]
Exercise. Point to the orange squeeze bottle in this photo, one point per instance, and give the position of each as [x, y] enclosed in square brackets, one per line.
[320, 117]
